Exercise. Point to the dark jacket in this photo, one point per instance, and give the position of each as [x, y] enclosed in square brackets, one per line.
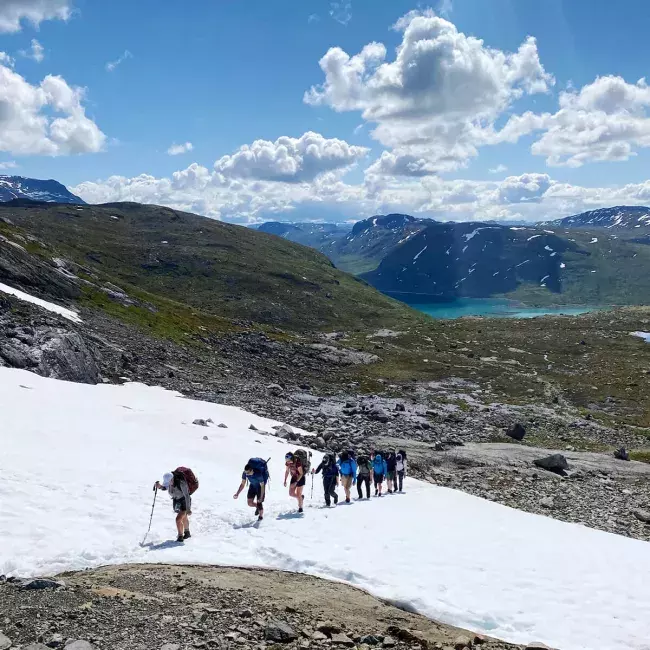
[329, 471]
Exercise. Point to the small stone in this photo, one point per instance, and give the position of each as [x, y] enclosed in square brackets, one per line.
[642, 515]
[171, 646]
[462, 642]
[342, 639]
[516, 431]
[35, 646]
[222, 426]
[5, 642]
[205, 438]
[200, 422]
[80, 645]
[246, 613]
[290, 610]
[556, 463]
[319, 636]
[389, 642]
[42, 583]
[622, 454]
[279, 631]
[546, 502]
[253, 428]
[538, 646]
[56, 641]
[328, 628]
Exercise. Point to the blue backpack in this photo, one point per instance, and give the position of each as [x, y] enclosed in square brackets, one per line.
[346, 467]
[260, 469]
[378, 464]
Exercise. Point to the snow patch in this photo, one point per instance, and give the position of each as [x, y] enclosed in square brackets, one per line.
[50, 306]
[420, 253]
[594, 240]
[644, 335]
[533, 237]
[562, 265]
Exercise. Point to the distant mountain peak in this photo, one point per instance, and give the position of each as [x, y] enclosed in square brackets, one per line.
[32, 189]
[620, 216]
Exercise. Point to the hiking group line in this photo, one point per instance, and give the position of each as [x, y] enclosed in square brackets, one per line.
[347, 470]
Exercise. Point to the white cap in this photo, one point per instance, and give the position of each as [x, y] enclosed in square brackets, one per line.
[167, 479]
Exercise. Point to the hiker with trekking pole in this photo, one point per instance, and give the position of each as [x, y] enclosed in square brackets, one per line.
[181, 483]
[256, 474]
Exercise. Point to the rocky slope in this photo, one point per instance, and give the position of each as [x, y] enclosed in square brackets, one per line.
[32, 189]
[159, 607]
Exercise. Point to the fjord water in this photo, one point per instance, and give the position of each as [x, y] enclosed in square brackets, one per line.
[494, 308]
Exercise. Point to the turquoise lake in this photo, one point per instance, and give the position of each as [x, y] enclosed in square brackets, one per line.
[493, 307]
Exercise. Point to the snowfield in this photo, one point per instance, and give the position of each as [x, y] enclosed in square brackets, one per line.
[50, 306]
[78, 464]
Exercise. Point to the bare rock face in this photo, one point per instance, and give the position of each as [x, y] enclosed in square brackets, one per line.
[49, 351]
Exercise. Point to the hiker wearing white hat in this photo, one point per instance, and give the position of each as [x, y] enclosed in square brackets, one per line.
[180, 484]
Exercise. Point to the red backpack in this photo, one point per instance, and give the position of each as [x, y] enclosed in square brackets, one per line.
[190, 479]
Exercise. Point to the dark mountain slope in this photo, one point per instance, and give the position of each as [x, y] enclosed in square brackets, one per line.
[218, 268]
[447, 261]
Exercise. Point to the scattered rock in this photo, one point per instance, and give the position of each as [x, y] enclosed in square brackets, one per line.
[328, 628]
[222, 426]
[200, 422]
[42, 583]
[279, 631]
[538, 646]
[171, 646]
[642, 515]
[36, 646]
[556, 463]
[462, 642]
[342, 639]
[205, 437]
[546, 502]
[5, 642]
[400, 408]
[622, 454]
[253, 428]
[369, 640]
[80, 645]
[319, 636]
[516, 431]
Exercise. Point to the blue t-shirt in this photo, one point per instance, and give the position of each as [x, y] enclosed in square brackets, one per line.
[254, 479]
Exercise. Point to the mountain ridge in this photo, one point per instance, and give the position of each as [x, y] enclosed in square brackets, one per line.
[49, 191]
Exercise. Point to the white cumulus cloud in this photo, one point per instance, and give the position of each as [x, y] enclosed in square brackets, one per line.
[178, 149]
[47, 119]
[14, 12]
[438, 100]
[291, 160]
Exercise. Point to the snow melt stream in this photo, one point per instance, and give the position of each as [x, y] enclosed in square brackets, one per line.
[79, 462]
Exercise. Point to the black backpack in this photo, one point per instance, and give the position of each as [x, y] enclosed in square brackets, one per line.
[402, 453]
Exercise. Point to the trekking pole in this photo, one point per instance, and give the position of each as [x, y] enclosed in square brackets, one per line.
[311, 498]
[155, 494]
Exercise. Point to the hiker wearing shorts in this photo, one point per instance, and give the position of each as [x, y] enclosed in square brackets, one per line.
[179, 492]
[379, 471]
[348, 469]
[295, 468]
[256, 474]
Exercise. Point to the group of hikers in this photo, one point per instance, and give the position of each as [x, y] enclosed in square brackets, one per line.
[347, 469]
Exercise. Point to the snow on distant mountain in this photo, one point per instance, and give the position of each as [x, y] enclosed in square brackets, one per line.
[622, 216]
[79, 462]
[50, 191]
[315, 235]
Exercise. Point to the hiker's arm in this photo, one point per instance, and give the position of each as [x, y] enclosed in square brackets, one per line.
[301, 472]
[263, 493]
[286, 476]
[242, 485]
[354, 472]
[318, 469]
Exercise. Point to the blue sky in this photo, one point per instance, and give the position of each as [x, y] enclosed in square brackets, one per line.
[96, 93]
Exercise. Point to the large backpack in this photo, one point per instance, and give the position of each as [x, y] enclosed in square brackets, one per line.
[345, 455]
[378, 464]
[260, 468]
[303, 457]
[363, 462]
[188, 475]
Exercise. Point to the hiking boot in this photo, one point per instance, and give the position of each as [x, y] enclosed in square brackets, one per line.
[187, 534]
[336, 499]
[180, 538]
[257, 510]
[376, 492]
[299, 509]
[347, 500]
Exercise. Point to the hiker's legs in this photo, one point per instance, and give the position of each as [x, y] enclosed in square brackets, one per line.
[400, 476]
[292, 490]
[366, 479]
[327, 489]
[299, 496]
[181, 519]
[359, 485]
